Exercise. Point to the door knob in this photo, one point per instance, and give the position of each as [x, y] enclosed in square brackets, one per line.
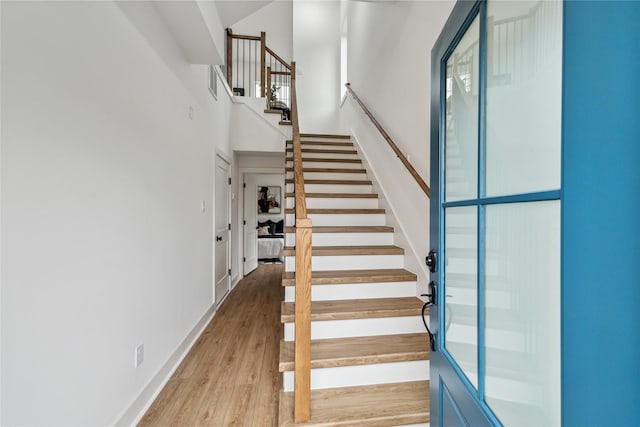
[431, 261]
[218, 238]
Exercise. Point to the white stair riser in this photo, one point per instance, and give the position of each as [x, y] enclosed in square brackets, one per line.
[341, 165]
[356, 291]
[318, 138]
[352, 262]
[345, 239]
[322, 329]
[340, 203]
[335, 203]
[359, 176]
[348, 376]
[327, 155]
[333, 188]
[319, 220]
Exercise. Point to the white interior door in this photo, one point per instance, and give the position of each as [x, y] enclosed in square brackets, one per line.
[222, 258]
[250, 226]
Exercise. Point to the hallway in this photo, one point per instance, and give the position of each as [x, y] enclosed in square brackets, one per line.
[230, 376]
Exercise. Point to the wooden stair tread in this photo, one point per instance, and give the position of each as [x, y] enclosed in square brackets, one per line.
[329, 353]
[329, 170]
[272, 111]
[376, 405]
[338, 195]
[356, 309]
[336, 277]
[346, 229]
[329, 143]
[285, 123]
[348, 250]
[324, 135]
[324, 160]
[322, 150]
[333, 181]
[339, 211]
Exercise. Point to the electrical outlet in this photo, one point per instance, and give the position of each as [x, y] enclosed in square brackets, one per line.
[139, 356]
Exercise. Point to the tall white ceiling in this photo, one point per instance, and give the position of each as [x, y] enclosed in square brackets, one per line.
[232, 11]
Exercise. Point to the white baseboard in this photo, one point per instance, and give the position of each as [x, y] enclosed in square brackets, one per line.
[134, 413]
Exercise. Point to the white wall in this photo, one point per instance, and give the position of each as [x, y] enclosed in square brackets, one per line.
[103, 170]
[275, 19]
[316, 50]
[389, 60]
[389, 63]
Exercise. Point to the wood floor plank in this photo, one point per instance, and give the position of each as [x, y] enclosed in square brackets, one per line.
[329, 353]
[336, 277]
[356, 309]
[230, 376]
[381, 405]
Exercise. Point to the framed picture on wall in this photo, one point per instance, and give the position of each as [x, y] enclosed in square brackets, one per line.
[269, 199]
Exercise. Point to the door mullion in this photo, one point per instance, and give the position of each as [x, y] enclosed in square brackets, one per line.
[482, 85]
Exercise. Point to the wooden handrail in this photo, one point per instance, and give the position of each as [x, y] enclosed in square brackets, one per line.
[241, 37]
[282, 61]
[423, 185]
[302, 352]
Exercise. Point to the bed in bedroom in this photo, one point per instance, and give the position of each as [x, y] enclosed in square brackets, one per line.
[270, 241]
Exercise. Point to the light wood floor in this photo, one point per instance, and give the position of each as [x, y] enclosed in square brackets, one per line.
[230, 377]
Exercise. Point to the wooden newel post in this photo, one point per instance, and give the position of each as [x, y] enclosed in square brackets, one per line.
[302, 389]
[269, 88]
[263, 60]
[230, 57]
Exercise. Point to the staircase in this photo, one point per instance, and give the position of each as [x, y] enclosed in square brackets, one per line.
[369, 350]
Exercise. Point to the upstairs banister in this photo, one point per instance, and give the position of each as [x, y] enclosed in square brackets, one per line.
[302, 351]
[255, 70]
[423, 185]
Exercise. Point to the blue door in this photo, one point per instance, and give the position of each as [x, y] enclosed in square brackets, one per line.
[496, 230]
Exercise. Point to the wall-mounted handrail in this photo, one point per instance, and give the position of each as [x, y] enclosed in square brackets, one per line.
[423, 185]
[302, 357]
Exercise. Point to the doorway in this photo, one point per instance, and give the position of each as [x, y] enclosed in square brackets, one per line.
[263, 219]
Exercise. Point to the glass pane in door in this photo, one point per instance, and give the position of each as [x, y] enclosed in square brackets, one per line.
[461, 132]
[522, 312]
[461, 288]
[523, 102]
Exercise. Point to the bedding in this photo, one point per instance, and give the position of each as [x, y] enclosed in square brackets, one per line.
[270, 240]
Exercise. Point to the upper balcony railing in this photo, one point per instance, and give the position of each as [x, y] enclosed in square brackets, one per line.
[254, 69]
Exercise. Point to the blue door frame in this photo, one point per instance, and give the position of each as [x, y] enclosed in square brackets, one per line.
[600, 219]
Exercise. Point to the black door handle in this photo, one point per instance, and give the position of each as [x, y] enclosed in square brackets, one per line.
[431, 261]
[218, 238]
[431, 300]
